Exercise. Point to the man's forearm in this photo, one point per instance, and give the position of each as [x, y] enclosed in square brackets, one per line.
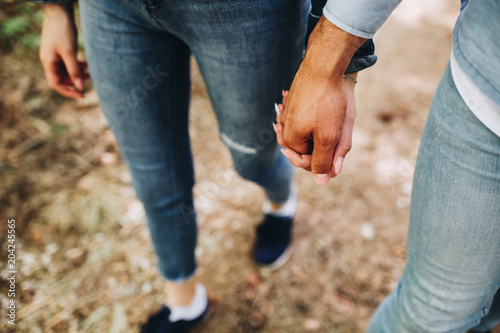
[363, 58]
[330, 50]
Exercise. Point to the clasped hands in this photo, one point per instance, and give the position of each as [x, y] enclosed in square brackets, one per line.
[315, 121]
[314, 124]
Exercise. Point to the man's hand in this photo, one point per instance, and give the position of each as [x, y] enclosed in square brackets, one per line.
[314, 116]
[64, 73]
[344, 142]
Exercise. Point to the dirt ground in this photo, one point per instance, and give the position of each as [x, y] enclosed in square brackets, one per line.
[84, 257]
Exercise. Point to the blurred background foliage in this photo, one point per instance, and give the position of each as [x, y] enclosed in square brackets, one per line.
[62, 180]
[20, 27]
[43, 155]
[21, 22]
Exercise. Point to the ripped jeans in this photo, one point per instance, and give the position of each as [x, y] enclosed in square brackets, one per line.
[138, 53]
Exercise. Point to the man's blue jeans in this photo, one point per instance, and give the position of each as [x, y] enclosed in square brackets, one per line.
[453, 267]
[139, 54]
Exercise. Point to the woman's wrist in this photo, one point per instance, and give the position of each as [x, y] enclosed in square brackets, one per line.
[52, 11]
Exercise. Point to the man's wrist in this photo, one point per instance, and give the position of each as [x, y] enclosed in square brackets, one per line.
[330, 49]
[350, 78]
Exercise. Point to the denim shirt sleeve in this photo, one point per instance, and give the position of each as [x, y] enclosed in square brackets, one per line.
[363, 58]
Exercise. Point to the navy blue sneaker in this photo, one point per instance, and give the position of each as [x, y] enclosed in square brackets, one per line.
[272, 245]
[160, 322]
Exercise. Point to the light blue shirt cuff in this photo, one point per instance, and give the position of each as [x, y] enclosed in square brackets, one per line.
[360, 18]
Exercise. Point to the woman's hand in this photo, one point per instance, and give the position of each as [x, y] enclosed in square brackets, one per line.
[64, 73]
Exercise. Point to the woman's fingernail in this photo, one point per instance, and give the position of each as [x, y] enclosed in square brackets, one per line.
[277, 109]
[275, 128]
[79, 84]
[338, 165]
[321, 179]
[283, 93]
[283, 151]
[332, 172]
